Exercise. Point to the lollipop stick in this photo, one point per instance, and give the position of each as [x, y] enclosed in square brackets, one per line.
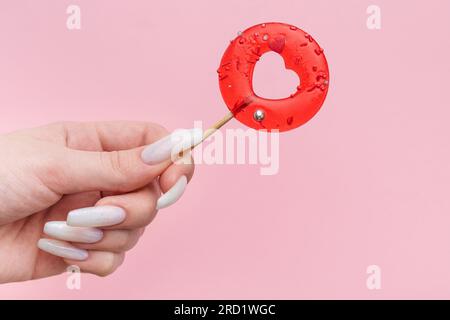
[216, 126]
[206, 134]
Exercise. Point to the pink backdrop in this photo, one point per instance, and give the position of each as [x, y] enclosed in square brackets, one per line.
[365, 182]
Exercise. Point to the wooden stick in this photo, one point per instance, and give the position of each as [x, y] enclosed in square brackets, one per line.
[216, 126]
[206, 134]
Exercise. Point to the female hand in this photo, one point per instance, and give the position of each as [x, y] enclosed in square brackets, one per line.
[47, 173]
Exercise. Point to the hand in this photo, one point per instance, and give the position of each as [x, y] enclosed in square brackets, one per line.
[47, 173]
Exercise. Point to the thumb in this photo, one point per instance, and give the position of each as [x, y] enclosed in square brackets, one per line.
[114, 171]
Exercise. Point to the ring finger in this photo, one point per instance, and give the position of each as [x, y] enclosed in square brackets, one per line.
[93, 238]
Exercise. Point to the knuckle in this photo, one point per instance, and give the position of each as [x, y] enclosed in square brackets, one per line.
[60, 125]
[118, 162]
[115, 162]
[107, 266]
[132, 239]
[146, 218]
[123, 241]
[62, 128]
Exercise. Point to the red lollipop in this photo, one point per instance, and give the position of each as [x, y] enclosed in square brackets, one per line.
[301, 53]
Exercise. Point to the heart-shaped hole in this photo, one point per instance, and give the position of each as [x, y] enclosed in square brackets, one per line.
[272, 80]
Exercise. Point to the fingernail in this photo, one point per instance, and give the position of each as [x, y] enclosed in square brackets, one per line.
[61, 231]
[173, 144]
[62, 249]
[100, 216]
[173, 194]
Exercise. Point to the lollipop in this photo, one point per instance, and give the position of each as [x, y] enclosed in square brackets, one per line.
[301, 53]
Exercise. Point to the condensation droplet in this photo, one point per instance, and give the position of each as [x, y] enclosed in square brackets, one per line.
[293, 28]
[256, 51]
[263, 25]
[290, 120]
[312, 88]
[265, 37]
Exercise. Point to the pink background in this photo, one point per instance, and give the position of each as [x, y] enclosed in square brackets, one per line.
[365, 182]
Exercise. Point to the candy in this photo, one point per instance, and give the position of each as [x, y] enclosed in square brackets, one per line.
[301, 53]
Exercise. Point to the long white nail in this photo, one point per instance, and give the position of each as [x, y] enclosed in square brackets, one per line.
[171, 145]
[60, 230]
[173, 194]
[62, 249]
[100, 216]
